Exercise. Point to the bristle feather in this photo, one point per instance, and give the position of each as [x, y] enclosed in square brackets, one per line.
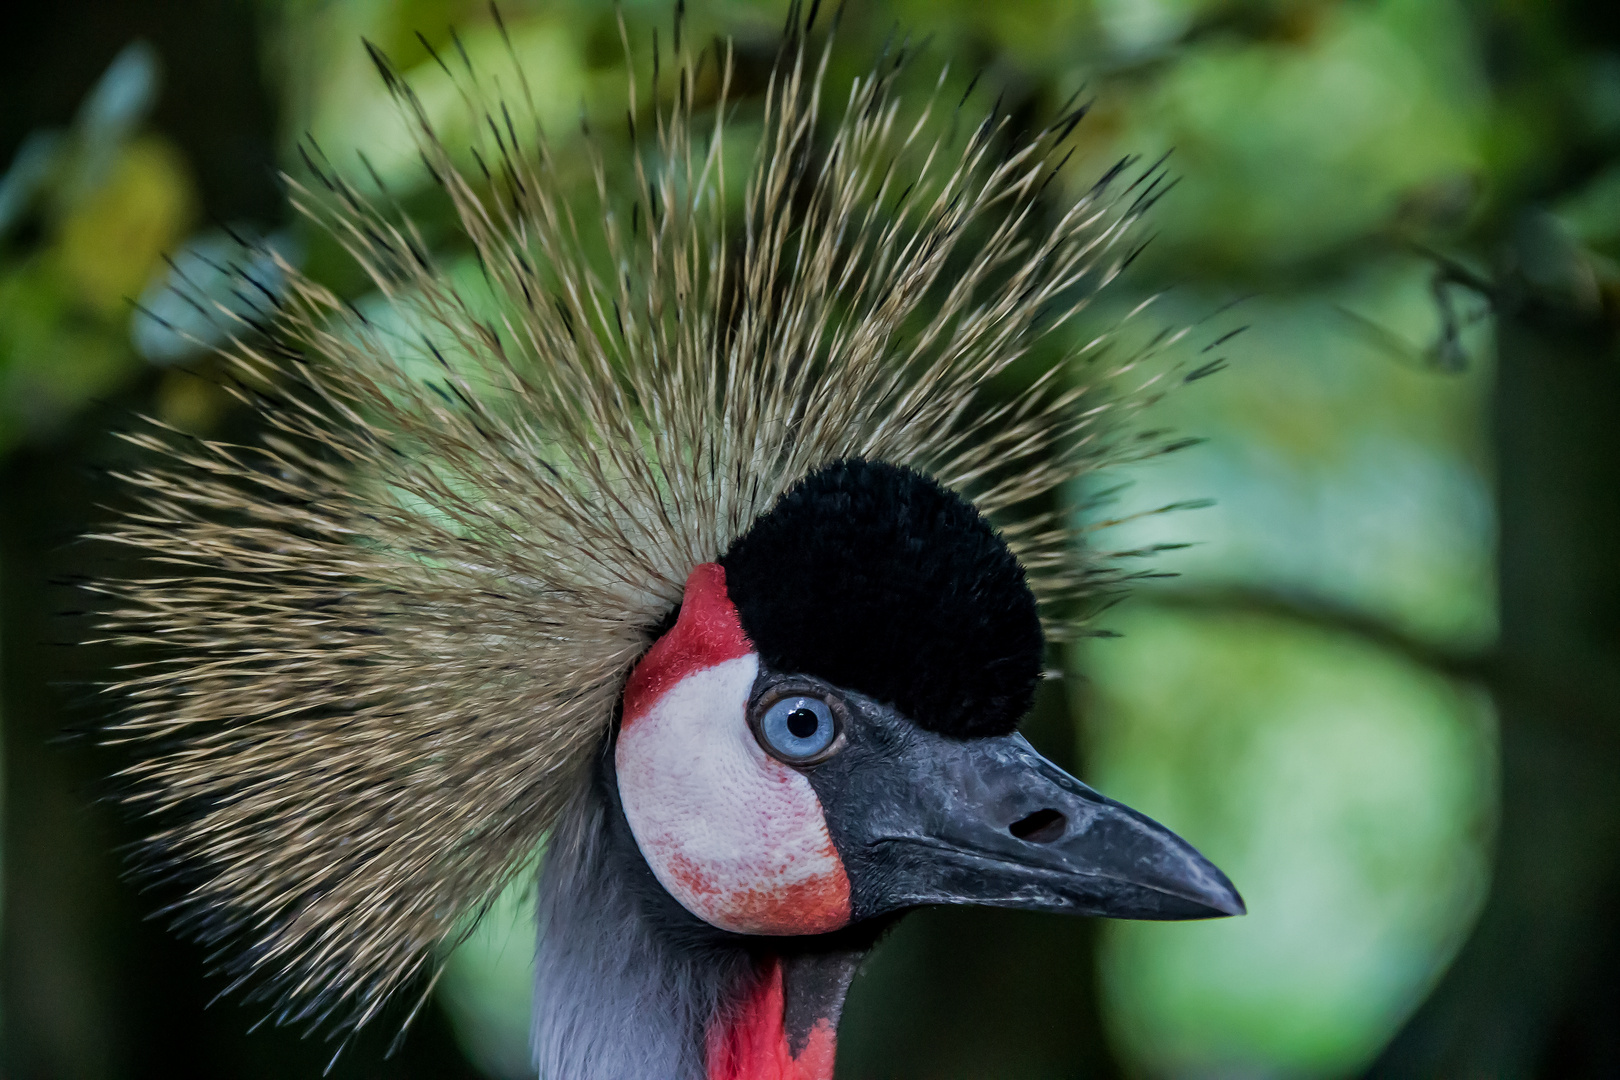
[402, 622]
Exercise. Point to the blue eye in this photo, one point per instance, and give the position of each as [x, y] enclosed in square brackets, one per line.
[798, 728]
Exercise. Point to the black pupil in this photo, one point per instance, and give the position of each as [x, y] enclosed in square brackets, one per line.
[803, 723]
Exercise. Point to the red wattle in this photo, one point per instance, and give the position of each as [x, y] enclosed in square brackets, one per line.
[706, 633]
[751, 1043]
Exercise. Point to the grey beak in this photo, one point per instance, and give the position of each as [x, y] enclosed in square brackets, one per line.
[990, 821]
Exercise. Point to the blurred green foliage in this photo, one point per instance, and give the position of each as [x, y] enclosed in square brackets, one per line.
[1306, 700]
[1349, 790]
[86, 216]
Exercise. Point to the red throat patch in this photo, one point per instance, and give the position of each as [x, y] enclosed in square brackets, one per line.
[751, 1043]
[706, 633]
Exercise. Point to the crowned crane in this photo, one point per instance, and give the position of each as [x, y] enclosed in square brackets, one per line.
[702, 561]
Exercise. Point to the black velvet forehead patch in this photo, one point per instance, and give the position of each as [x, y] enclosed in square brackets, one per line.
[878, 579]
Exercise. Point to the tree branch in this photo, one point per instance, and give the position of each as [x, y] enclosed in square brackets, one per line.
[1327, 613]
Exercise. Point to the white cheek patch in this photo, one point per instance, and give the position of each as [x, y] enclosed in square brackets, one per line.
[735, 835]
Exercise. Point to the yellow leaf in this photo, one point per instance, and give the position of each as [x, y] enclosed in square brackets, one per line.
[112, 240]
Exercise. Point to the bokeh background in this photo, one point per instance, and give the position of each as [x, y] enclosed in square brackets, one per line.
[1372, 667]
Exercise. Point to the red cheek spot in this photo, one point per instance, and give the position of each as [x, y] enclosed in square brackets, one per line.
[690, 875]
[813, 906]
[707, 632]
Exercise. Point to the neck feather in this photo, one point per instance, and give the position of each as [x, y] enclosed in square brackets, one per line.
[629, 986]
[784, 1026]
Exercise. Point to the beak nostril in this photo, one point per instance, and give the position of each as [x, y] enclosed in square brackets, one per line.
[1041, 827]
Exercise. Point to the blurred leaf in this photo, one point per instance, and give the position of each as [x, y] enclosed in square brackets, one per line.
[351, 113]
[1348, 793]
[51, 359]
[1302, 146]
[1334, 469]
[62, 308]
[53, 170]
[23, 182]
[113, 240]
[212, 282]
[1138, 26]
[111, 113]
[1592, 214]
[488, 984]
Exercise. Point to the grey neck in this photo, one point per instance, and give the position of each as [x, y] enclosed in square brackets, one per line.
[630, 986]
[618, 996]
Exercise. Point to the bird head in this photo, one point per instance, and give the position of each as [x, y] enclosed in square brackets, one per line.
[826, 734]
[667, 566]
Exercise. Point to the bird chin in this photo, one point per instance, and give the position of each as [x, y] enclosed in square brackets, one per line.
[963, 877]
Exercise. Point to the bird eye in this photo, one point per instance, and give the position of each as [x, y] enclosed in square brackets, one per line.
[798, 729]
